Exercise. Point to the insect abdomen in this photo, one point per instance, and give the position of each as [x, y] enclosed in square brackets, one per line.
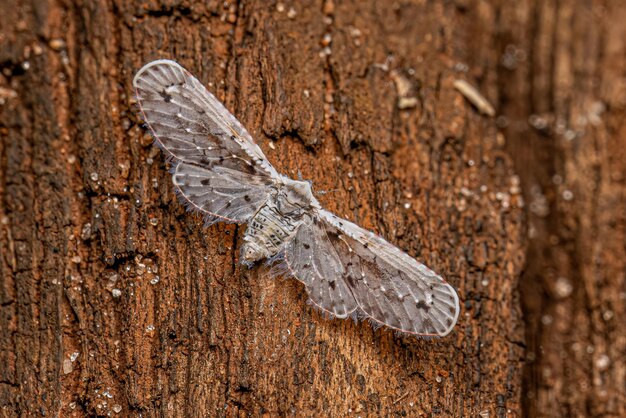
[266, 233]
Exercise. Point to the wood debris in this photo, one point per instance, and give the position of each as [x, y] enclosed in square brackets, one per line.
[474, 97]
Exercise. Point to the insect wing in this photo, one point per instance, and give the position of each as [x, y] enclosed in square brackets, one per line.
[219, 169]
[312, 259]
[389, 286]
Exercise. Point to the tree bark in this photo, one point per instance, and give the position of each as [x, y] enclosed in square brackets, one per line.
[571, 88]
[116, 301]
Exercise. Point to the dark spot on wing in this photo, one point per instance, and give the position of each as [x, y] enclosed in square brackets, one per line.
[249, 167]
[307, 246]
[422, 305]
[246, 198]
[166, 96]
[333, 235]
[205, 182]
[333, 285]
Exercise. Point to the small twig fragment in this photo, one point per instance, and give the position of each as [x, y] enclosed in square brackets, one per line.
[404, 395]
[405, 89]
[474, 97]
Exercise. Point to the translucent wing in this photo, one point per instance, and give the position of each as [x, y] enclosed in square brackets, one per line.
[219, 169]
[311, 258]
[383, 283]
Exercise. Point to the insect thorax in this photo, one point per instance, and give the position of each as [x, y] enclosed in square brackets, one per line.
[277, 221]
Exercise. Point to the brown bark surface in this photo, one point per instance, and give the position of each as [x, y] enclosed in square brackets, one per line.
[116, 301]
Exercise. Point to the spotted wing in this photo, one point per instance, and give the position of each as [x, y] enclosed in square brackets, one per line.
[219, 170]
[365, 272]
[312, 259]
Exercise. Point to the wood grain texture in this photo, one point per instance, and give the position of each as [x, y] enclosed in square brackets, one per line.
[114, 300]
[567, 139]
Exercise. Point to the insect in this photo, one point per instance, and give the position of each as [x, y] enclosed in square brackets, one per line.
[220, 171]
